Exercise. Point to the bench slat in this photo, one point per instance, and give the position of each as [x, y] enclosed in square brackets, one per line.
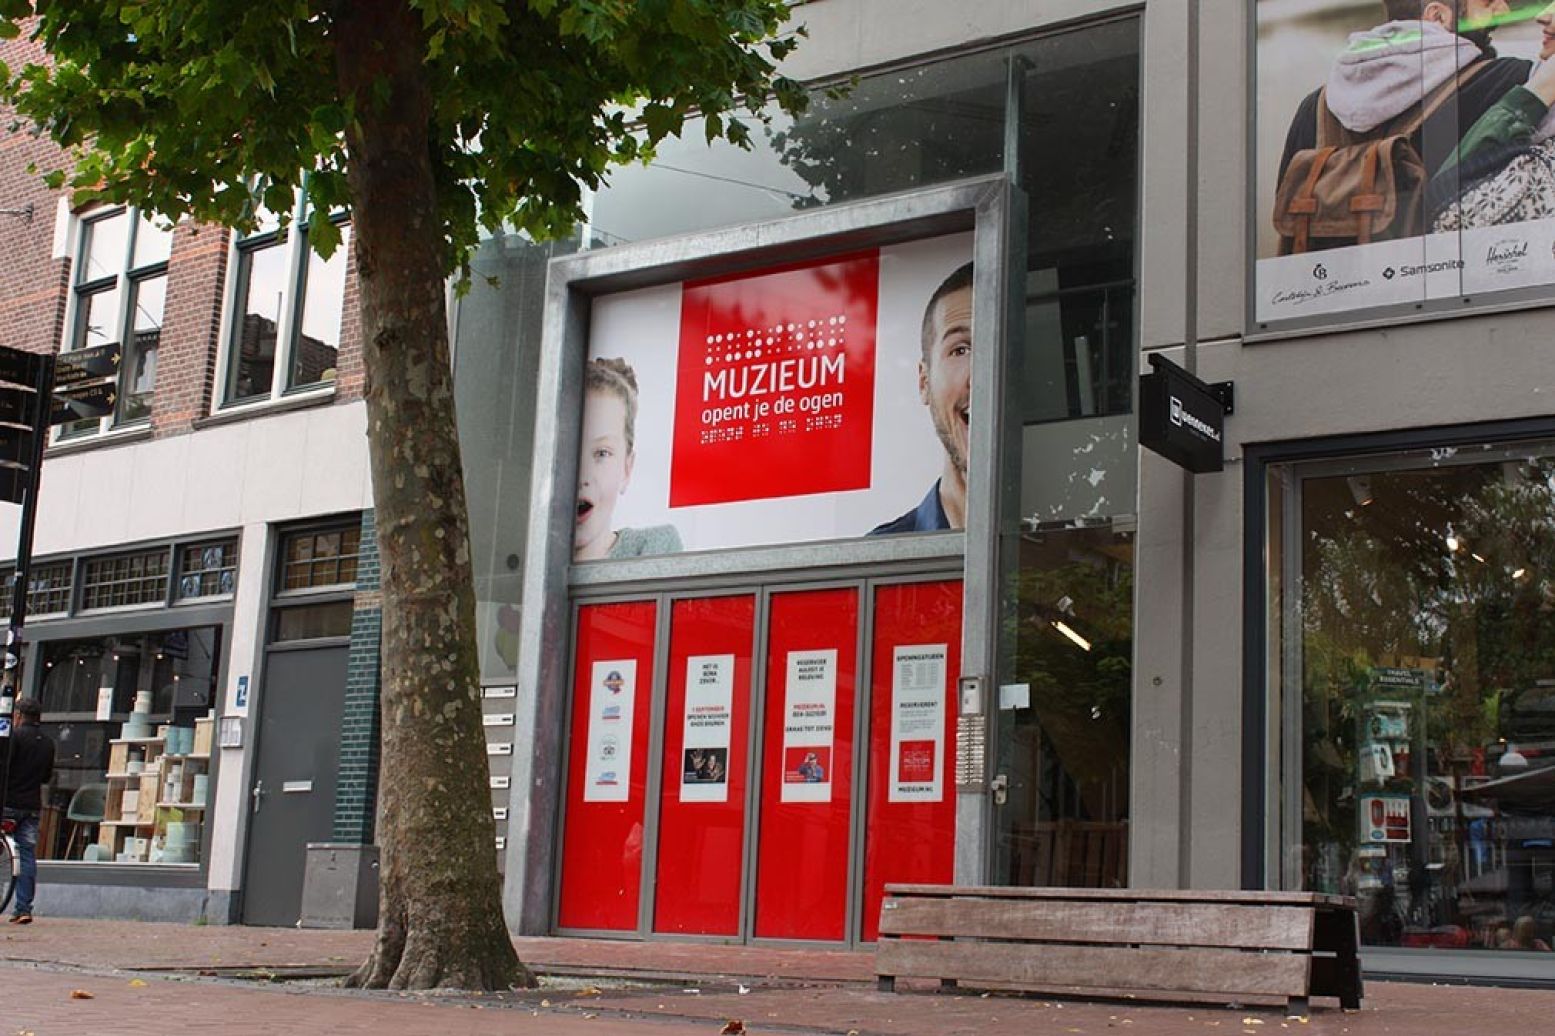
[1230, 972]
[1125, 895]
[1225, 925]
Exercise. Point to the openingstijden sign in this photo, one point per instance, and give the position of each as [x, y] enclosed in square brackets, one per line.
[776, 383]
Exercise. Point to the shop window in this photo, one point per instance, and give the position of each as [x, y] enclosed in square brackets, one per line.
[48, 592]
[1416, 682]
[119, 296]
[318, 559]
[286, 308]
[207, 569]
[124, 579]
[132, 721]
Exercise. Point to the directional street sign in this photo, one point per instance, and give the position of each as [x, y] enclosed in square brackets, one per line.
[17, 406]
[15, 444]
[92, 401]
[14, 484]
[19, 368]
[82, 365]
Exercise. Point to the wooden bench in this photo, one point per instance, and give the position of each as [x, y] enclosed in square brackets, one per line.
[1163, 945]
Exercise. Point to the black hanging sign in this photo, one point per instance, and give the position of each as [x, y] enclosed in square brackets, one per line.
[83, 365]
[1182, 418]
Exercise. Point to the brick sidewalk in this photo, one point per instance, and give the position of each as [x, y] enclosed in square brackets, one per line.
[788, 992]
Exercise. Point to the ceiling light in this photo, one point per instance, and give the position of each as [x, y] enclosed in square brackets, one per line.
[1452, 542]
[1360, 489]
[1519, 573]
[1063, 628]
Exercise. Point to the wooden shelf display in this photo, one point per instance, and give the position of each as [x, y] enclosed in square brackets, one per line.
[155, 805]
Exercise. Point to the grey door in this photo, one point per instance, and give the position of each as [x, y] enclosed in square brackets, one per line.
[292, 799]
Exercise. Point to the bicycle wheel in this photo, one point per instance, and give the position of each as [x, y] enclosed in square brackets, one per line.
[9, 866]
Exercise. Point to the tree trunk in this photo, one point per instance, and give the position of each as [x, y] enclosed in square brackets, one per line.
[440, 917]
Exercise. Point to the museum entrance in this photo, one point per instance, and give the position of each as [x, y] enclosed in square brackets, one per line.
[756, 763]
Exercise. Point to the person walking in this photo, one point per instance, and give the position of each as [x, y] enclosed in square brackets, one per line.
[31, 767]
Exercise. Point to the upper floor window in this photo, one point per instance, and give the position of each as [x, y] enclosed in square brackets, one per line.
[284, 312]
[120, 293]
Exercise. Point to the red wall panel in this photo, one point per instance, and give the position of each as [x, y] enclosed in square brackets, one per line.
[802, 847]
[602, 843]
[912, 841]
[701, 843]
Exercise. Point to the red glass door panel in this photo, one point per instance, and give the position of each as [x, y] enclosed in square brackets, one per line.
[607, 767]
[706, 759]
[910, 827]
[807, 765]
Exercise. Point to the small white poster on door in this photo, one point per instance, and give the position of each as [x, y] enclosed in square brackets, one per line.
[809, 725]
[704, 770]
[612, 694]
[917, 723]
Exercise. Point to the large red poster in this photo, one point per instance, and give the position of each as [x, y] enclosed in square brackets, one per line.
[807, 765]
[607, 767]
[910, 830]
[776, 383]
[706, 759]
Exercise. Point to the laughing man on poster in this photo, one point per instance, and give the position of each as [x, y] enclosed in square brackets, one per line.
[945, 387]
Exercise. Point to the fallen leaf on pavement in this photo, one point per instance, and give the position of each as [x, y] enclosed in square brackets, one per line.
[138, 983]
[734, 1027]
[589, 991]
[81, 994]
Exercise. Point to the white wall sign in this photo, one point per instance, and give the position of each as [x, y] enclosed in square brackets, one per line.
[809, 725]
[608, 765]
[704, 771]
[918, 723]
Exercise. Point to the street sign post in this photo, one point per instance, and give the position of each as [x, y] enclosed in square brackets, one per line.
[23, 402]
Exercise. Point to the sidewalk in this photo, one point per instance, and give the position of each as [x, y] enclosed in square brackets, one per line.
[156, 978]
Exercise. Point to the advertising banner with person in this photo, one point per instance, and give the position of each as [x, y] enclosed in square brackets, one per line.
[1405, 152]
[708, 726]
[821, 400]
[809, 725]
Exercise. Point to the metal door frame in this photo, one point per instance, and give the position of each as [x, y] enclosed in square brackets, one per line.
[993, 209]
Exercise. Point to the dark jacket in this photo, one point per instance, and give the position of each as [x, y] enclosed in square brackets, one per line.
[1437, 140]
[32, 766]
[928, 516]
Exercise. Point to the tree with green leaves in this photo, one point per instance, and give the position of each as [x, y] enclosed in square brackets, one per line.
[432, 122]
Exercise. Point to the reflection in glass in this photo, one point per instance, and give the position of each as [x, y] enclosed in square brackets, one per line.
[89, 690]
[148, 298]
[318, 338]
[262, 289]
[153, 244]
[105, 246]
[97, 318]
[1422, 642]
[1065, 710]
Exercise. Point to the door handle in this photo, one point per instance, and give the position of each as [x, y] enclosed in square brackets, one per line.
[257, 795]
[1000, 787]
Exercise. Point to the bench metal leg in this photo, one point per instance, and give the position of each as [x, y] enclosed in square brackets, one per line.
[1298, 1006]
[885, 983]
[948, 983]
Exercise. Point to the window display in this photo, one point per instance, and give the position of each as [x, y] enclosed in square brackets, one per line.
[1417, 626]
[132, 721]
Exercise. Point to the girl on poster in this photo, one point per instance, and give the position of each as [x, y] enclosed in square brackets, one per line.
[605, 468]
